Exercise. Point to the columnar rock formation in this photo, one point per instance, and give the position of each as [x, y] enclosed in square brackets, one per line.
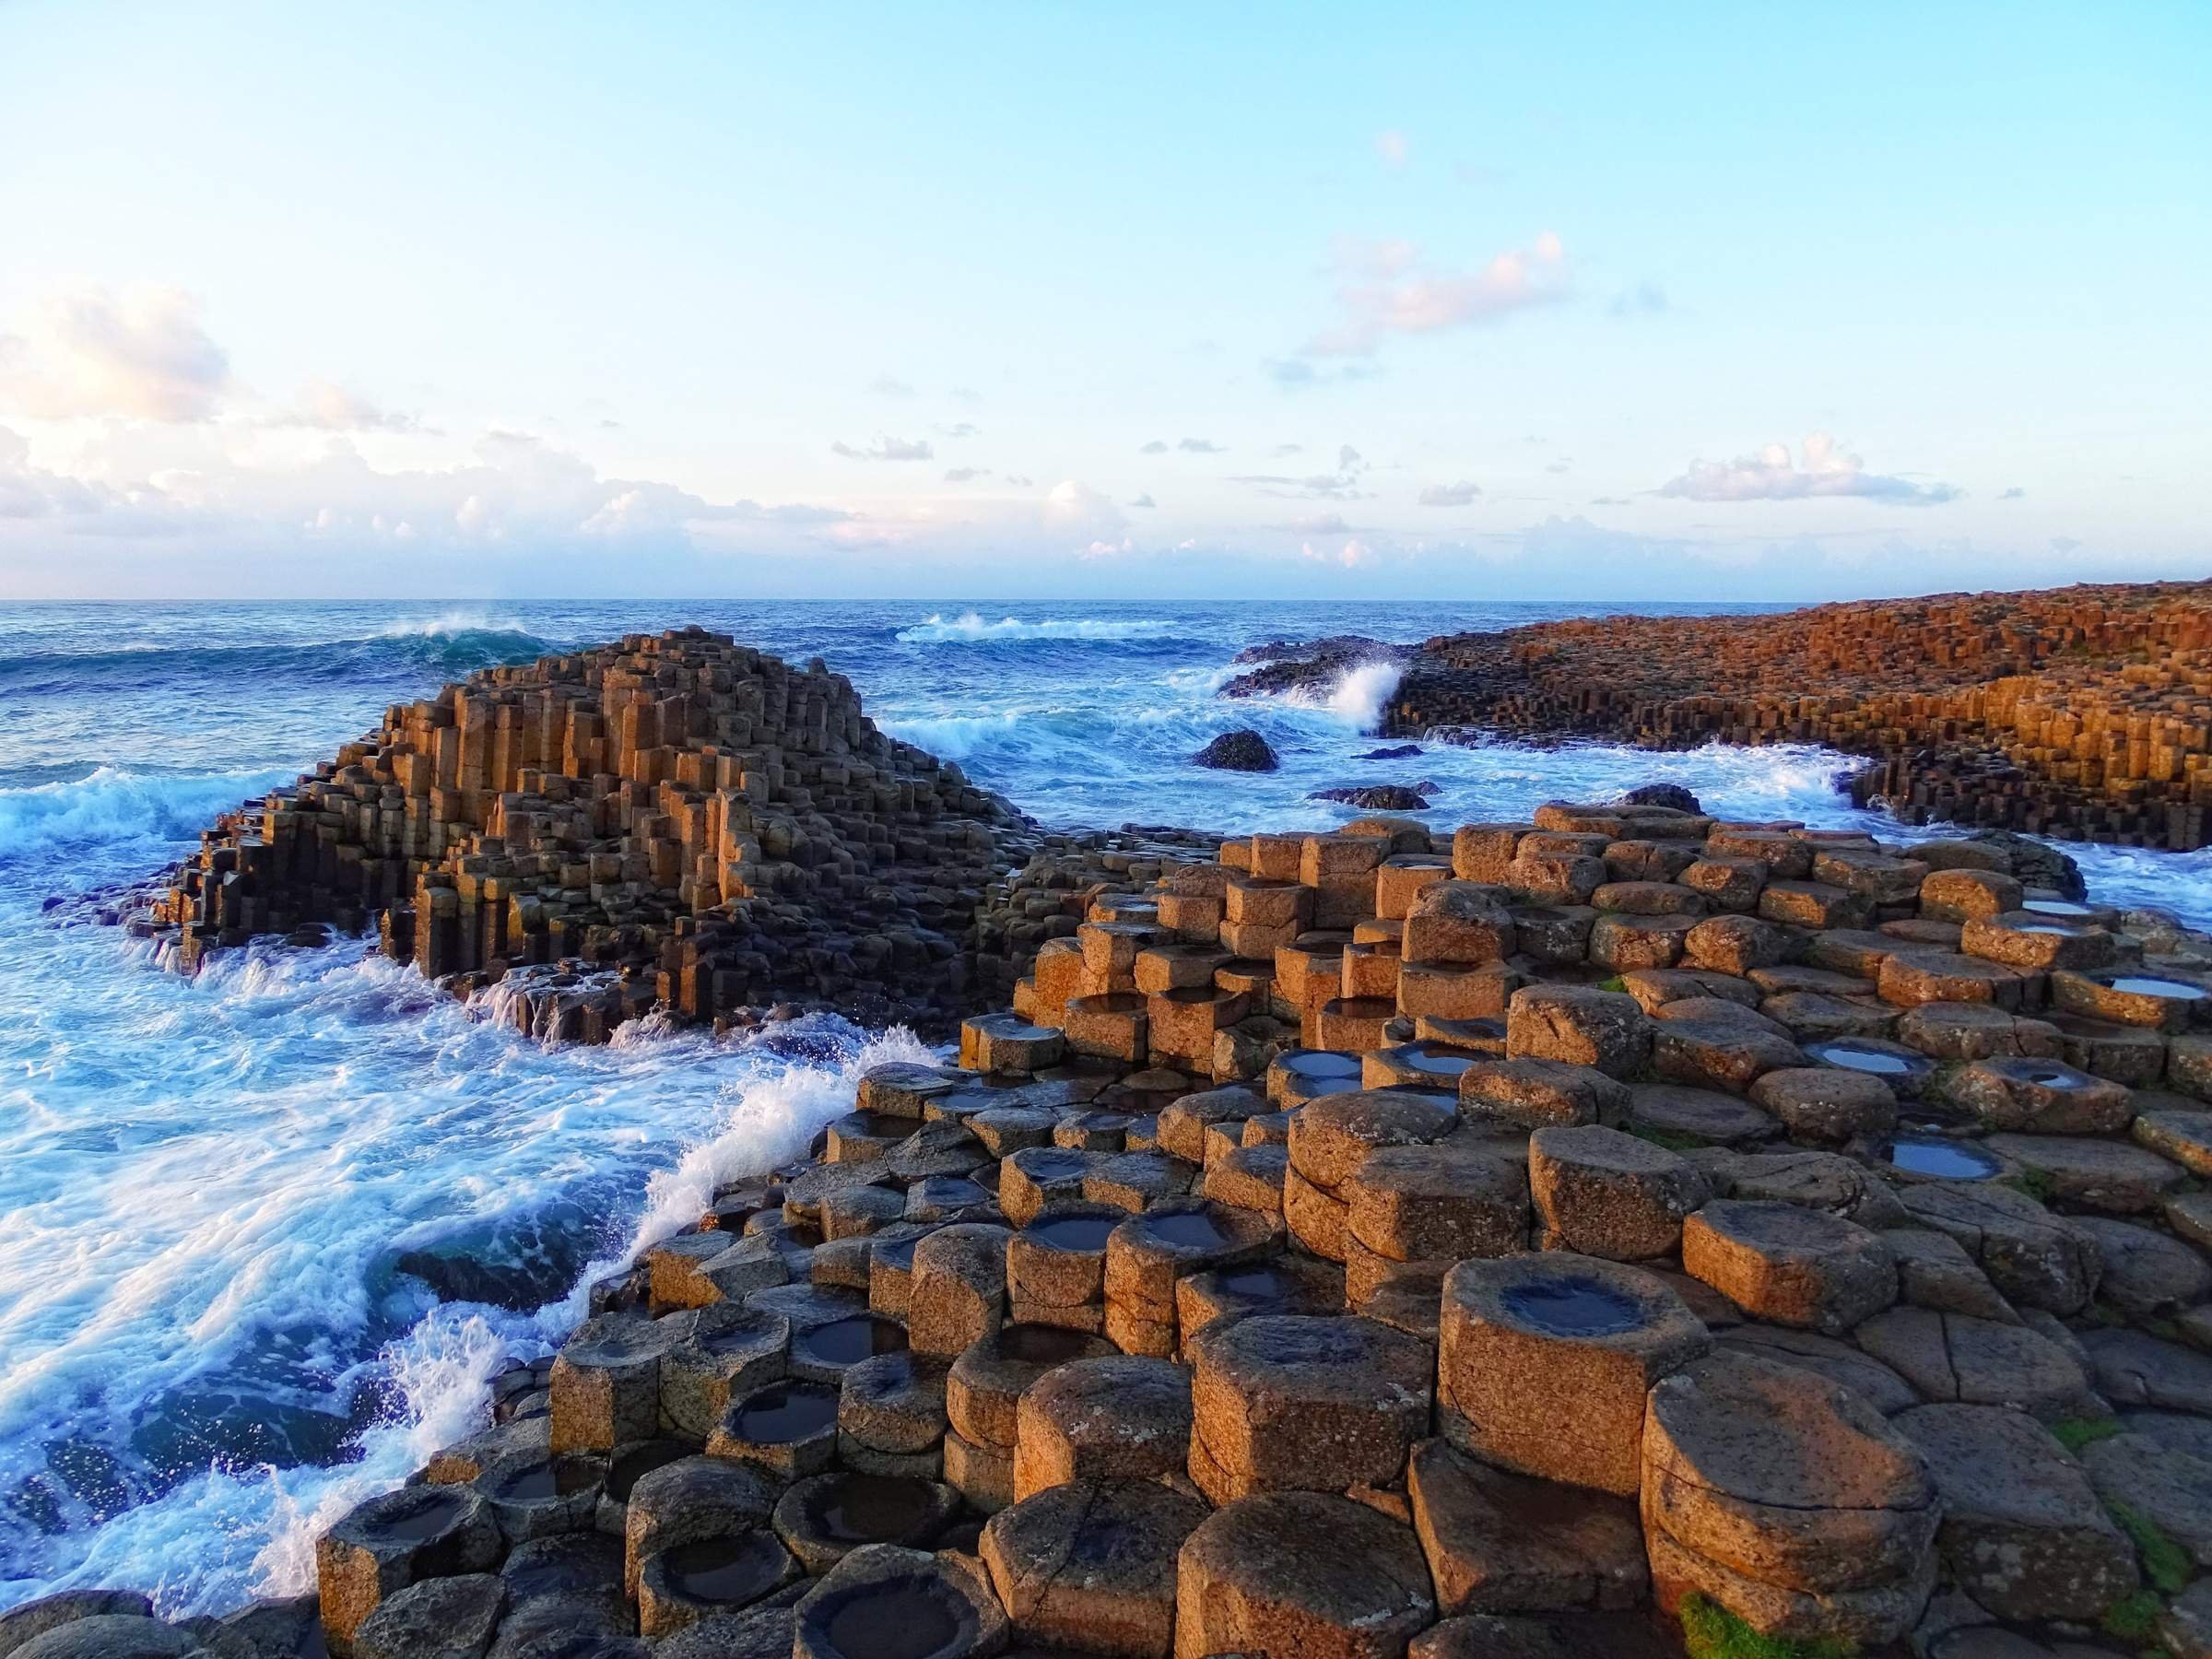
[672, 820]
[2083, 713]
[1365, 1244]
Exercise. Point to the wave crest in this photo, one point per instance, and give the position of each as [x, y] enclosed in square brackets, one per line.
[111, 806]
[969, 629]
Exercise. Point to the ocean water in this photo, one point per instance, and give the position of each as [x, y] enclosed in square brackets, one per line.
[264, 1235]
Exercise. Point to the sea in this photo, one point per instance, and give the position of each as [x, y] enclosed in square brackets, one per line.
[265, 1234]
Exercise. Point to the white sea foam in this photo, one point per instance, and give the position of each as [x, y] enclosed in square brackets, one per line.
[450, 624]
[969, 629]
[110, 804]
[1357, 695]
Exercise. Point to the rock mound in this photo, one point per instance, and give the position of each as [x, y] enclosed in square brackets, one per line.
[672, 820]
[1241, 751]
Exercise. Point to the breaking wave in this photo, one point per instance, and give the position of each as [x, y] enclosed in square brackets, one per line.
[969, 629]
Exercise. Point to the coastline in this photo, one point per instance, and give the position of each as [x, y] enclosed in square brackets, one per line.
[1072, 885]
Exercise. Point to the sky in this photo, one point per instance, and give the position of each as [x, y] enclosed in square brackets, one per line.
[1035, 301]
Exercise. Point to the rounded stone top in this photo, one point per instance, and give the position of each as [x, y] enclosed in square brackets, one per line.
[1192, 1228]
[1295, 1563]
[1312, 1356]
[1558, 1296]
[411, 1515]
[1764, 1224]
[1777, 1434]
[1331, 1134]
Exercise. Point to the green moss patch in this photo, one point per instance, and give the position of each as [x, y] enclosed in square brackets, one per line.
[1711, 1631]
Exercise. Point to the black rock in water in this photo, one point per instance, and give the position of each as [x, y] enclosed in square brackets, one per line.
[1661, 794]
[1380, 797]
[1396, 751]
[1244, 750]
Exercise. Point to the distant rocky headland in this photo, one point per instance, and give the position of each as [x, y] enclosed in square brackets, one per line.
[1617, 1233]
[2081, 712]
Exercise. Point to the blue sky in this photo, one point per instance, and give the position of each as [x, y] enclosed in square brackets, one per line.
[1603, 301]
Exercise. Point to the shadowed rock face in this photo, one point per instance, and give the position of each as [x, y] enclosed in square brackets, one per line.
[669, 819]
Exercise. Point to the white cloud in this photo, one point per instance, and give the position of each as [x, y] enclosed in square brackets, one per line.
[890, 385]
[1074, 506]
[141, 353]
[1773, 475]
[1382, 291]
[1351, 555]
[329, 407]
[1143, 501]
[965, 474]
[888, 448]
[1198, 446]
[1450, 495]
[1158, 446]
[1392, 146]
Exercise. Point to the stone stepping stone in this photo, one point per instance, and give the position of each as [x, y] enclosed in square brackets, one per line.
[1826, 1105]
[1788, 1500]
[2046, 1097]
[1604, 1193]
[1934, 1272]
[1530, 1093]
[2148, 1274]
[1091, 1567]
[680, 1586]
[1146, 1255]
[2023, 1531]
[1544, 1360]
[1838, 1361]
[824, 1518]
[1728, 1054]
[1581, 1025]
[1120, 1418]
[959, 1289]
[891, 1414]
[606, 1388]
[1977, 1032]
[1304, 1574]
[1500, 1543]
[1956, 1357]
[380, 1547]
[1790, 1265]
[885, 1598]
[789, 1427]
[1826, 1182]
[2171, 1490]
[987, 1380]
[2183, 1136]
[1679, 1116]
[1291, 1402]
[2034, 1258]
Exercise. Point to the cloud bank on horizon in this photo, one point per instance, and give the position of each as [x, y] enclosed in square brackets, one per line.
[803, 317]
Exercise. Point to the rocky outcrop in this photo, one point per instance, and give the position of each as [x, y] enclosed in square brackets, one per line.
[672, 820]
[1378, 1242]
[1242, 750]
[2083, 713]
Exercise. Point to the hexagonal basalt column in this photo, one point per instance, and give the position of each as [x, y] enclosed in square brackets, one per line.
[987, 1381]
[1790, 1265]
[787, 1427]
[2041, 1096]
[1581, 1025]
[401, 1539]
[959, 1288]
[1301, 1573]
[1148, 1253]
[1788, 1500]
[882, 1599]
[1092, 1566]
[1544, 1362]
[1297, 1403]
[1115, 1419]
[1604, 1193]
[1056, 1265]
[607, 1381]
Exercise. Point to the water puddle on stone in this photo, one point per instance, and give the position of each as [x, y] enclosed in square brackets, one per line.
[1435, 1061]
[784, 1412]
[1572, 1308]
[868, 1508]
[849, 1341]
[1186, 1230]
[739, 1570]
[1945, 1160]
[1042, 1343]
[639, 1461]
[1319, 1063]
[561, 1477]
[1262, 1284]
[2171, 990]
[1853, 1057]
[897, 1621]
[426, 1520]
[1080, 1233]
[1042, 1166]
